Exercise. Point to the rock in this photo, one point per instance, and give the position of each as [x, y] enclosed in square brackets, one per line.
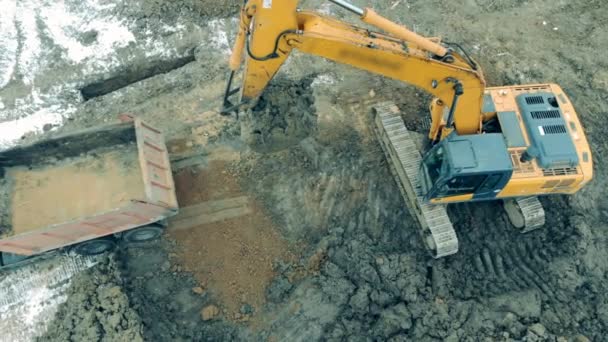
[517, 329]
[508, 320]
[453, 337]
[165, 266]
[279, 289]
[47, 127]
[392, 320]
[360, 300]
[209, 312]
[581, 338]
[524, 304]
[198, 290]
[246, 309]
[538, 329]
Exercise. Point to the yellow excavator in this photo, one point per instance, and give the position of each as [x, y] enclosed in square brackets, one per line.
[511, 143]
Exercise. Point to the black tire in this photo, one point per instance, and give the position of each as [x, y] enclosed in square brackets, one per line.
[95, 247]
[142, 234]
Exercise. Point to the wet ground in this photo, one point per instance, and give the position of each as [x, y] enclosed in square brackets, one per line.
[313, 241]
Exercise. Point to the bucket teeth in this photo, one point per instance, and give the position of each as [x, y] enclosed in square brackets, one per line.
[404, 159]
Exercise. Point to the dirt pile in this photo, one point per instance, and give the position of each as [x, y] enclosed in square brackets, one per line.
[170, 301]
[41, 178]
[112, 174]
[97, 309]
[284, 115]
[232, 248]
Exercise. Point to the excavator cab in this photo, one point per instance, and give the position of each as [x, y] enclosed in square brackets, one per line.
[465, 168]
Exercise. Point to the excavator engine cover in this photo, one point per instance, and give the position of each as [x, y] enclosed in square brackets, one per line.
[546, 126]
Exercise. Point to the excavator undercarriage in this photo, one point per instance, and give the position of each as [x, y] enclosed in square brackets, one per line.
[404, 157]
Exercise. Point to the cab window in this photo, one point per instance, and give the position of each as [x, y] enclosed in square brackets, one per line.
[461, 185]
[434, 163]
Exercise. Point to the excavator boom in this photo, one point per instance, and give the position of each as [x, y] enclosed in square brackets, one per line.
[401, 54]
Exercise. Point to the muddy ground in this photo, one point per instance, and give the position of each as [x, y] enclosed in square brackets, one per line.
[346, 262]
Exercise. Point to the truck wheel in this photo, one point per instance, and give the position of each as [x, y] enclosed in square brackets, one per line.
[142, 234]
[95, 247]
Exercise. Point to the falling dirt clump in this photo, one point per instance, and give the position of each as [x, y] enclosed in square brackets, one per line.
[97, 309]
[284, 115]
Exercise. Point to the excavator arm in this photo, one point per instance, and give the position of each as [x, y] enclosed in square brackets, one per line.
[270, 30]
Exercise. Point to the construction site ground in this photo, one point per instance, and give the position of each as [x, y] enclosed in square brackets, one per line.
[298, 232]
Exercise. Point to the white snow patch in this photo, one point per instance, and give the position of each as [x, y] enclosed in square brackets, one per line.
[65, 27]
[29, 55]
[326, 8]
[24, 27]
[33, 112]
[12, 131]
[155, 47]
[323, 79]
[31, 295]
[8, 41]
[219, 39]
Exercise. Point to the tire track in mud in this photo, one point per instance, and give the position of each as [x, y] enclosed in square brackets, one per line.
[496, 259]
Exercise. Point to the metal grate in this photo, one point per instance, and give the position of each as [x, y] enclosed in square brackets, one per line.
[534, 100]
[562, 171]
[554, 129]
[545, 114]
[518, 166]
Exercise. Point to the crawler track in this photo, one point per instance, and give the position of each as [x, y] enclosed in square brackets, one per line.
[404, 158]
[526, 213]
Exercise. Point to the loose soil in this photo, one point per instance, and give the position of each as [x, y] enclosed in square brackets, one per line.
[234, 258]
[97, 309]
[283, 116]
[98, 182]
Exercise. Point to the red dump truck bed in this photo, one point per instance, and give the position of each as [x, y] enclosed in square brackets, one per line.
[83, 186]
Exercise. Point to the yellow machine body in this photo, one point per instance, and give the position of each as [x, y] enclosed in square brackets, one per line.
[270, 30]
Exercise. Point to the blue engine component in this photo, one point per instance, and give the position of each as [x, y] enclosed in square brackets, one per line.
[547, 130]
